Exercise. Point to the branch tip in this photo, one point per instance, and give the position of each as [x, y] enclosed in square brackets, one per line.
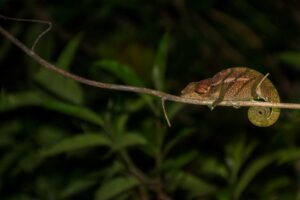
[33, 21]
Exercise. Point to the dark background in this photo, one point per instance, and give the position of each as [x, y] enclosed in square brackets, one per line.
[64, 140]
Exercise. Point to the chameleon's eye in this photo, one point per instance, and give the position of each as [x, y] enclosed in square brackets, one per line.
[202, 89]
[203, 86]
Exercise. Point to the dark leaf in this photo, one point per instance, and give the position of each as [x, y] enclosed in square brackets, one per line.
[110, 189]
[159, 66]
[77, 142]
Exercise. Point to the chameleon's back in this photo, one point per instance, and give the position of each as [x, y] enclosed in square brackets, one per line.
[244, 84]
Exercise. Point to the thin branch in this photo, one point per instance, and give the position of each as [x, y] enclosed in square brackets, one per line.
[31, 20]
[143, 178]
[154, 185]
[134, 89]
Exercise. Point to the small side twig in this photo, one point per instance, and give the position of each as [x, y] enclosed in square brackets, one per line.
[165, 112]
[31, 20]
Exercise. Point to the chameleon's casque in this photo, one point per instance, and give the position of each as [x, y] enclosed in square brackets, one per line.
[238, 84]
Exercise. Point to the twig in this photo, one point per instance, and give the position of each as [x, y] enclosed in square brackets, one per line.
[165, 112]
[135, 170]
[31, 20]
[154, 185]
[140, 90]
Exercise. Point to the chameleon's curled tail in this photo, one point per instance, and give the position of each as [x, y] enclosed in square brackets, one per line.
[262, 116]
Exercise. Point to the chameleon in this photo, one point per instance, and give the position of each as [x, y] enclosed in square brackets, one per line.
[238, 84]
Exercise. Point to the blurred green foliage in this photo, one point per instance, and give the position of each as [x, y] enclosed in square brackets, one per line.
[63, 140]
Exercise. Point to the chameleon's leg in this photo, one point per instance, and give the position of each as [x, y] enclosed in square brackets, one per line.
[223, 90]
[255, 93]
[235, 104]
[226, 87]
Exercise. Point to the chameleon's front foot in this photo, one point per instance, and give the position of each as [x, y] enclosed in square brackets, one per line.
[211, 106]
[215, 103]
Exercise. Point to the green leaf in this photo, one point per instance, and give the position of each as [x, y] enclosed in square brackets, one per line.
[19, 99]
[120, 123]
[77, 142]
[179, 161]
[76, 186]
[250, 172]
[29, 98]
[195, 186]
[292, 58]
[114, 187]
[49, 134]
[173, 109]
[212, 166]
[276, 184]
[123, 72]
[127, 140]
[27, 163]
[67, 55]
[8, 132]
[75, 111]
[159, 67]
[59, 85]
[8, 160]
[238, 152]
[288, 155]
[112, 170]
[176, 139]
[134, 105]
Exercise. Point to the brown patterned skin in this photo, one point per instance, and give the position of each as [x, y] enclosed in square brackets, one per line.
[238, 84]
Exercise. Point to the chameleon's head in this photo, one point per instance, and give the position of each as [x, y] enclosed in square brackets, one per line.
[195, 89]
[190, 88]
